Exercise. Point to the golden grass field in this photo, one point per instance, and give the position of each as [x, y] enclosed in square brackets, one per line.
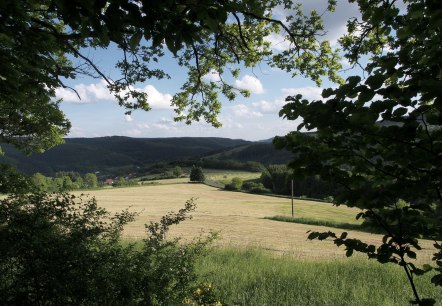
[237, 217]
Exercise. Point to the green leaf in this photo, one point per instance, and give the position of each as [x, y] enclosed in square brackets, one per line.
[403, 33]
[375, 81]
[399, 112]
[353, 80]
[170, 43]
[135, 39]
[327, 92]
[366, 95]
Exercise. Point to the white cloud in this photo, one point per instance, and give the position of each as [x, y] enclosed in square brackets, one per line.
[134, 132]
[228, 123]
[78, 132]
[250, 83]
[143, 126]
[98, 92]
[269, 107]
[67, 95]
[212, 76]
[166, 127]
[87, 92]
[128, 118]
[242, 110]
[277, 42]
[166, 124]
[309, 92]
[156, 99]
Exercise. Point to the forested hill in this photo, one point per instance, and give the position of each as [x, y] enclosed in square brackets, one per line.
[106, 153]
[262, 152]
[114, 154]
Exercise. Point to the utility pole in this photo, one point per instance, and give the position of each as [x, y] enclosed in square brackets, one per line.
[293, 213]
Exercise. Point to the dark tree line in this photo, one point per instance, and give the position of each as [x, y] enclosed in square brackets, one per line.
[278, 179]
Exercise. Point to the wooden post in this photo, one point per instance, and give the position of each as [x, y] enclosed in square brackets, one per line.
[293, 213]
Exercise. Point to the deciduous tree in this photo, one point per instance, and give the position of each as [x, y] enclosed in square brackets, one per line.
[90, 180]
[177, 171]
[380, 137]
[44, 43]
[196, 174]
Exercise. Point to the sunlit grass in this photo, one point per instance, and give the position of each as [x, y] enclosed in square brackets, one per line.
[320, 222]
[238, 218]
[252, 277]
[225, 176]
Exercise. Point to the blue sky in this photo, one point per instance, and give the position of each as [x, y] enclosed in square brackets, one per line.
[254, 118]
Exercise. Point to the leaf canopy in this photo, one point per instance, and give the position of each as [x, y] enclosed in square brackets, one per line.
[44, 43]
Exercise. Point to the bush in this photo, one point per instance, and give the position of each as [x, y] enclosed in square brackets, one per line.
[259, 189]
[13, 181]
[248, 185]
[235, 185]
[177, 171]
[58, 249]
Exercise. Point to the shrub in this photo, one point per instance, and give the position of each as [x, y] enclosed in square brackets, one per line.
[248, 185]
[235, 185]
[58, 249]
[260, 189]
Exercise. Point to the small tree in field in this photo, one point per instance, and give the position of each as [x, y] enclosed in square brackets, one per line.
[177, 171]
[196, 174]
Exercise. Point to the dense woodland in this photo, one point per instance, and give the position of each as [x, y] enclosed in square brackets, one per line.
[115, 156]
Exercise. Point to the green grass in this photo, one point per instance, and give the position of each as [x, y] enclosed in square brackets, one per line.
[167, 181]
[225, 176]
[253, 277]
[336, 224]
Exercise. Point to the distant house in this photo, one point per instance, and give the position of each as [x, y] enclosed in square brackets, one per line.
[109, 182]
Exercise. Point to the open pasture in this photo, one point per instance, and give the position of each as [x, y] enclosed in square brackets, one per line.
[237, 217]
[225, 176]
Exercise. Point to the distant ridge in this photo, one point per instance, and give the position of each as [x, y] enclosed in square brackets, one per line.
[121, 154]
[103, 153]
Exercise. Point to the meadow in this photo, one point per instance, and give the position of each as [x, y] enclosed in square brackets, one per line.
[218, 175]
[258, 261]
[252, 277]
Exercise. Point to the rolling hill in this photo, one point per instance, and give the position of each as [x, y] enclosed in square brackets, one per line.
[262, 152]
[109, 154]
[118, 154]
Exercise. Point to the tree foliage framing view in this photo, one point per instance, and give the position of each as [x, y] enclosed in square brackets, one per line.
[61, 249]
[381, 137]
[44, 43]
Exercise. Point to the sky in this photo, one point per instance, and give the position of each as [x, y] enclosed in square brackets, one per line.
[97, 114]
